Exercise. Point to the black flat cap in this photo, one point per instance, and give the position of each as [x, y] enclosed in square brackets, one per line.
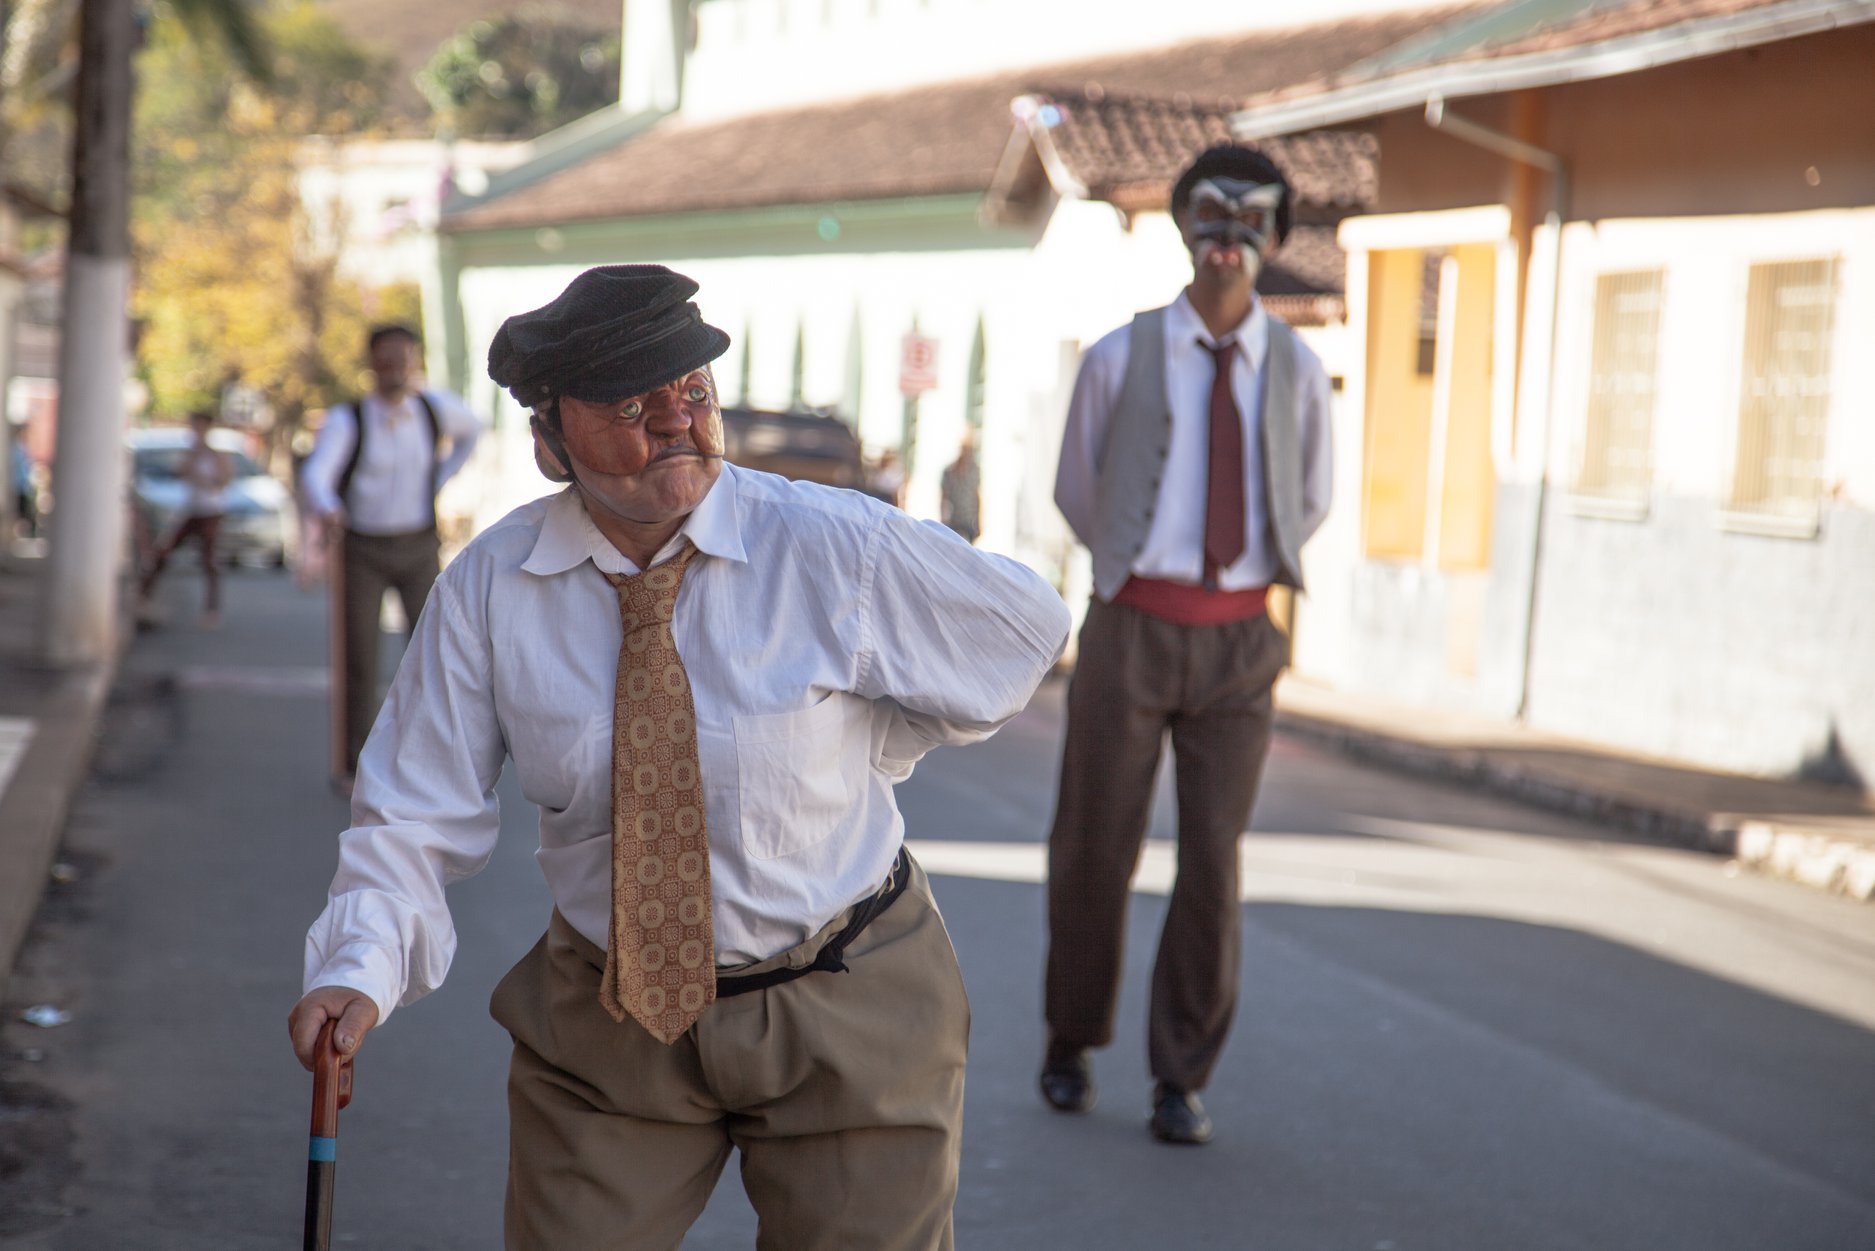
[615, 331]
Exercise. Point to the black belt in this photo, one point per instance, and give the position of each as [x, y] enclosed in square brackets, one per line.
[829, 959]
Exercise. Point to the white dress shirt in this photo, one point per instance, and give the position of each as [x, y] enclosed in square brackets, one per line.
[830, 640]
[393, 490]
[1174, 548]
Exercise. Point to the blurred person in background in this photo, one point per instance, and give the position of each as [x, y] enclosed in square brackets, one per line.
[371, 482]
[206, 474]
[20, 476]
[1194, 465]
[961, 492]
[888, 479]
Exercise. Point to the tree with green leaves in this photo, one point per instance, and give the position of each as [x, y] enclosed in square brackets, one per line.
[521, 75]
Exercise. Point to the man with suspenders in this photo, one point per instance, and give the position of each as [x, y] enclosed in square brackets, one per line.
[372, 479]
[1194, 465]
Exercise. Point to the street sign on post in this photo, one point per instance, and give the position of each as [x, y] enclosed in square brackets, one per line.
[917, 367]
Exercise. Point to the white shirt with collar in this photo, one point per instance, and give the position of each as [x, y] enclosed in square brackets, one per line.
[1174, 548]
[393, 490]
[830, 641]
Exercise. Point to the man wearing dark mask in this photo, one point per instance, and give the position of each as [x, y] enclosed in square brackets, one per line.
[1194, 466]
[709, 680]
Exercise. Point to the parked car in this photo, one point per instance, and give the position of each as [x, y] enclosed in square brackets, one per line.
[260, 523]
[810, 447]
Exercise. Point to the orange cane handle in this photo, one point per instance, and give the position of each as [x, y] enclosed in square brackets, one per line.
[332, 1084]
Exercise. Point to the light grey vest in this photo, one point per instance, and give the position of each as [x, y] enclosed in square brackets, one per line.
[1132, 459]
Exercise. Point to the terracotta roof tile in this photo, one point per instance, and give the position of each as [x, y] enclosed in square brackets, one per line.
[932, 140]
[1488, 32]
[1130, 149]
[1613, 21]
[1309, 262]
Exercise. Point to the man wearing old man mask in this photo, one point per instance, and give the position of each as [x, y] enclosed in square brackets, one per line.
[1194, 465]
[709, 680]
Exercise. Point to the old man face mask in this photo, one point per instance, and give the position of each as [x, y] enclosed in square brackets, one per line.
[622, 438]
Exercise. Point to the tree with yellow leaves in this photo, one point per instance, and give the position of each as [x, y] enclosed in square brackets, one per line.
[233, 283]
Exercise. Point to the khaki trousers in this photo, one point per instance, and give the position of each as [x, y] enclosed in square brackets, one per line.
[1138, 677]
[843, 1092]
[374, 563]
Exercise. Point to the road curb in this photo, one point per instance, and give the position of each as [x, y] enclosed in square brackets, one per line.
[1823, 858]
[1702, 831]
[35, 804]
[1839, 859]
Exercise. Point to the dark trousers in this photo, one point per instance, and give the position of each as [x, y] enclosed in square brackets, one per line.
[204, 528]
[1136, 678]
[374, 563]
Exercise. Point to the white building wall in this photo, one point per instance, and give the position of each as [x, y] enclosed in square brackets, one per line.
[753, 54]
[1675, 629]
[1684, 630]
[375, 203]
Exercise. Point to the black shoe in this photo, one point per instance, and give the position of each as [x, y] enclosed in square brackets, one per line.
[1068, 1082]
[1177, 1116]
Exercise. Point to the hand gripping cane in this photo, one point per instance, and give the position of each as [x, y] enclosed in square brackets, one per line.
[332, 1090]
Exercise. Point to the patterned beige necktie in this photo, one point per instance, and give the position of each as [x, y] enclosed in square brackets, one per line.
[660, 966]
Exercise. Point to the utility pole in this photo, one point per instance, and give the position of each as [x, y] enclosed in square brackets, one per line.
[79, 625]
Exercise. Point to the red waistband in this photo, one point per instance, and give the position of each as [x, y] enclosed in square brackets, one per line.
[1184, 604]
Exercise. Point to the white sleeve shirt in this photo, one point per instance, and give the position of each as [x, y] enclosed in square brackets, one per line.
[830, 642]
[393, 490]
[1174, 547]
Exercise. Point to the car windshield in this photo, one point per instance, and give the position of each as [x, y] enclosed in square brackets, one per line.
[166, 462]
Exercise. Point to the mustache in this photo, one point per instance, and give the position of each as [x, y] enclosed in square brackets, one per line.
[669, 452]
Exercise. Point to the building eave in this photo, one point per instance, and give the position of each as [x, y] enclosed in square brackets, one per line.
[559, 150]
[1550, 68]
[905, 224]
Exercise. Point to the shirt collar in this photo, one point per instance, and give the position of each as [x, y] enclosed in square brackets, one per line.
[1252, 333]
[568, 536]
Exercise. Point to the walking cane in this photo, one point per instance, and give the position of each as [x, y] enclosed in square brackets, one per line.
[332, 1090]
[335, 648]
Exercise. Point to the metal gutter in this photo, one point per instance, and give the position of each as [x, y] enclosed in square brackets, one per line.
[1515, 149]
[1453, 79]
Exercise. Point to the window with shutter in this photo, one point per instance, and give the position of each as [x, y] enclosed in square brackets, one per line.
[1617, 461]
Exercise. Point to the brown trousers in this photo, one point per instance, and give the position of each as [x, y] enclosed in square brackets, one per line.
[1136, 678]
[203, 528]
[374, 563]
[843, 1092]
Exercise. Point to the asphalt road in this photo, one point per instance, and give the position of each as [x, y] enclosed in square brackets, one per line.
[1465, 1024]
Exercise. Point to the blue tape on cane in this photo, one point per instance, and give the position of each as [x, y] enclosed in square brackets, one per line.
[322, 1150]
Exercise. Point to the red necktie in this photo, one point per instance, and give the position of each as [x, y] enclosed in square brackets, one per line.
[1223, 497]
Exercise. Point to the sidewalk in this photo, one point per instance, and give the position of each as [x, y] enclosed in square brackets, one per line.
[48, 725]
[1822, 836]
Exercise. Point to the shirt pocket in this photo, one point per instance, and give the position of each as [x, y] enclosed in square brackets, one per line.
[790, 772]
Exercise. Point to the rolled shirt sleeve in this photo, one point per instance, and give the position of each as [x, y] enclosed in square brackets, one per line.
[461, 426]
[424, 815]
[956, 637]
[319, 476]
